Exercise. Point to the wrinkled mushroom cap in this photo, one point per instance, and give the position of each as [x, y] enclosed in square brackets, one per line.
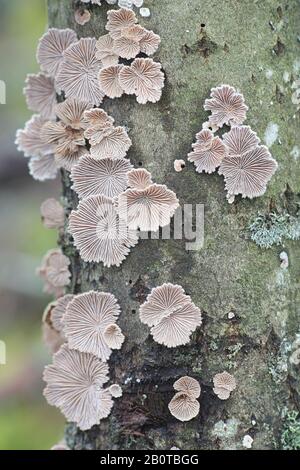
[183, 407]
[188, 385]
[99, 233]
[75, 385]
[79, 71]
[226, 105]
[86, 319]
[51, 47]
[225, 380]
[116, 391]
[149, 208]
[107, 176]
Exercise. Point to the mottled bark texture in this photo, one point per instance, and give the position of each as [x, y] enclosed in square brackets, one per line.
[253, 46]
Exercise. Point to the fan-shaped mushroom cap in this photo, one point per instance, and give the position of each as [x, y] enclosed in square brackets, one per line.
[40, 95]
[78, 74]
[176, 329]
[128, 45]
[240, 140]
[189, 386]
[208, 152]
[183, 407]
[59, 310]
[72, 113]
[139, 178]
[82, 16]
[226, 105]
[43, 167]
[149, 42]
[98, 232]
[52, 213]
[29, 141]
[67, 135]
[97, 118]
[221, 393]
[143, 78]
[105, 51]
[69, 143]
[112, 142]
[55, 272]
[66, 158]
[205, 138]
[51, 47]
[113, 336]
[161, 302]
[149, 208]
[75, 385]
[171, 314]
[53, 132]
[109, 81]
[86, 319]
[58, 273]
[115, 391]
[119, 20]
[249, 173]
[225, 380]
[107, 176]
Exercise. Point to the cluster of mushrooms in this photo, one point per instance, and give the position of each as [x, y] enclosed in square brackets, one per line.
[247, 166]
[70, 131]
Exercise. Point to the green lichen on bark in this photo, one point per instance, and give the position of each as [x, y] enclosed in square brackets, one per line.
[251, 45]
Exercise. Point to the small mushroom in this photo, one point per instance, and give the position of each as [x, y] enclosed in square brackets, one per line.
[115, 391]
[179, 165]
[224, 384]
[51, 48]
[86, 320]
[171, 315]
[109, 81]
[208, 152]
[74, 383]
[105, 51]
[29, 141]
[43, 168]
[54, 270]
[52, 214]
[82, 16]
[40, 95]
[99, 233]
[139, 178]
[143, 78]
[112, 142]
[52, 337]
[249, 173]
[147, 209]
[113, 336]
[107, 176]
[78, 73]
[240, 140]
[188, 385]
[227, 106]
[184, 405]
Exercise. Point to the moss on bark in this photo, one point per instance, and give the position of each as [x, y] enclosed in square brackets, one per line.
[253, 46]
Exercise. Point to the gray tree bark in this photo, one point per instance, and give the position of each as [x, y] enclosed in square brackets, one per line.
[253, 46]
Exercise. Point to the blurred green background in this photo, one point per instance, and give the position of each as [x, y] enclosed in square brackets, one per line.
[26, 421]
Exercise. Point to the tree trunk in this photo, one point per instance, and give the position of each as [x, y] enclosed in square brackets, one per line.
[251, 45]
